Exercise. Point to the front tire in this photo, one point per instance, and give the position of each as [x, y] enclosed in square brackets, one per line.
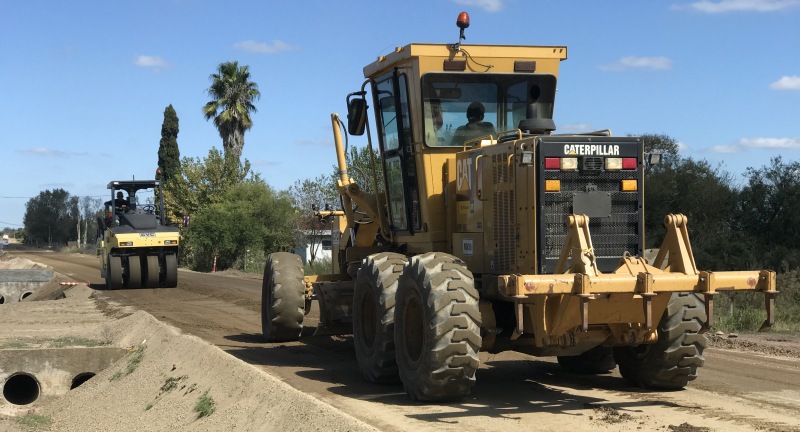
[114, 272]
[437, 328]
[171, 270]
[373, 316]
[134, 272]
[672, 361]
[282, 298]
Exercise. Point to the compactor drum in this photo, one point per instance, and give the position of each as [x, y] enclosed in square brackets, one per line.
[137, 249]
[492, 232]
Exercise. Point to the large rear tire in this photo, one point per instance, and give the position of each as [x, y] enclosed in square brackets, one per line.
[672, 361]
[151, 271]
[373, 316]
[114, 273]
[134, 272]
[437, 328]
[170, 270]
[598, 360]
[282, 298]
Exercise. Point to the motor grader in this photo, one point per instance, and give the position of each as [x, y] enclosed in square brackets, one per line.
[136, 248]
[504, 236]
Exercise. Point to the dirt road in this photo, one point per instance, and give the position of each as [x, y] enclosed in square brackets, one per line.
[736, 390]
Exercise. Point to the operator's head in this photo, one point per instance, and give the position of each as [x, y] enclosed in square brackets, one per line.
[119, 195]
[475, 112]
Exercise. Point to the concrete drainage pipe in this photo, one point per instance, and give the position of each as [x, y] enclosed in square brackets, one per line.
[21, 389]
[80, 379]
[24, 295]
[2, 300]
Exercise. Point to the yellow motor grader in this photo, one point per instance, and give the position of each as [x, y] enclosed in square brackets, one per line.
[491, 232]
[135, 246]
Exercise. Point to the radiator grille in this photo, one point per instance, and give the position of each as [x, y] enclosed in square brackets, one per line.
[611, 236]
[503, 215]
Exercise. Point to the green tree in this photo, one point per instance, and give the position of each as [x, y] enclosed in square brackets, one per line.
[203, 181]
[660, 143]
[90, 209]
[232, 95]
[169, 155]
[770, 211]
[709, 198]
[51, 217]
[249, 216]
[360, 162]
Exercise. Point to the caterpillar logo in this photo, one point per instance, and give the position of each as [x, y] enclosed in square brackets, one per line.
[591, 149]
[464, 174]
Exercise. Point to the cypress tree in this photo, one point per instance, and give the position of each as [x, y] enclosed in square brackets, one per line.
[169, 157]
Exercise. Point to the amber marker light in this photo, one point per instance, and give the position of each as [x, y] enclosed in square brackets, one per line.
[552, 185]
[630, 185]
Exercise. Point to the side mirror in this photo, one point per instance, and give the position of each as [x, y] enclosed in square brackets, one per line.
[356, 114]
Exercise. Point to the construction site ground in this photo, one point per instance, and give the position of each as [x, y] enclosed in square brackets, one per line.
[205, 336]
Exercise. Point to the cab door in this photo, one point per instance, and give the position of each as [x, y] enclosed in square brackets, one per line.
[394, 127]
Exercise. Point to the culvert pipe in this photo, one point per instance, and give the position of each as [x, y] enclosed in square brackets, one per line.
[24, 295]
[80, 379]
[21, 389]
[2, 299]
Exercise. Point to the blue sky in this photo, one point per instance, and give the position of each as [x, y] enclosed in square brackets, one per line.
[85, 83]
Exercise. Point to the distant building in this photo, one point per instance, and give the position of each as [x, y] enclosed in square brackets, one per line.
[320, 240]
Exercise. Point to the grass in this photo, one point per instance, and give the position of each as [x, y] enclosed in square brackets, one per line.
[34, 421]
[172, 383]
[133, 362]
[51, 343]
[14, 344]
[320, 266]
[205, 405]
[72, 342]
[745, 311]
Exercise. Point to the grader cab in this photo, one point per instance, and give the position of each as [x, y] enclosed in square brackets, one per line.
[491, 232]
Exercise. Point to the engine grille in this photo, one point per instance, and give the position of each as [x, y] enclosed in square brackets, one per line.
[611, 236]
[503, 213]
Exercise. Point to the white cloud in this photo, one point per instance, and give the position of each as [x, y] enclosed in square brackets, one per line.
[48, 152]
[634, 62]
[774, 143]
[758, 143]
[723, 6]
[786, 83]
[150, 61]
[732, 148]
[263, 47]
[487, 5]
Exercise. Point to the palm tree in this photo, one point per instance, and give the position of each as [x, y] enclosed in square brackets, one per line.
[233, 94]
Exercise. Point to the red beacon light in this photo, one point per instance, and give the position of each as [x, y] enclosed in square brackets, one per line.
[462, 22]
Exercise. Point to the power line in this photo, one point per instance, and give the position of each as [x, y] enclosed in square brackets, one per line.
[9, 223]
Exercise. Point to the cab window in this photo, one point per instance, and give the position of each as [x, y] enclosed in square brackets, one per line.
[462, 107]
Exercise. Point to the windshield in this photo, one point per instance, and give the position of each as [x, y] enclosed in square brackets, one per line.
[459, 107]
